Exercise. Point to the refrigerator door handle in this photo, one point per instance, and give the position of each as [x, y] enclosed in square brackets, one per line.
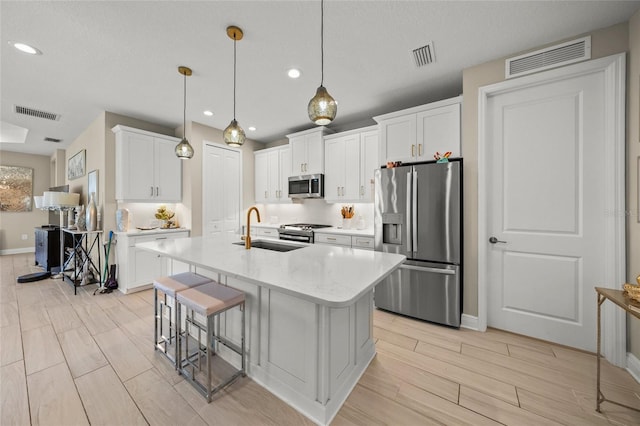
[414, 212]
[427, 269]
[408, 212]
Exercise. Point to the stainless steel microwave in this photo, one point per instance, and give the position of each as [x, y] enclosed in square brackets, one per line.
[307, 186]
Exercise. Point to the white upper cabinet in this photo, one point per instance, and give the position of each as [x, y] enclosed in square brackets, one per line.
[416, 134]
[307, 151]
[272, 169]
[351, 158]
[369, 147]
[147, 168]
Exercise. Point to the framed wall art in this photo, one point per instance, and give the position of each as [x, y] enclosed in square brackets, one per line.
[93, 186]
[76, 165]
[16, 188]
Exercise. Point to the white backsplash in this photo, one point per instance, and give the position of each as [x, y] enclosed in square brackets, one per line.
[307, 211]
[313, 211]
[143, 214]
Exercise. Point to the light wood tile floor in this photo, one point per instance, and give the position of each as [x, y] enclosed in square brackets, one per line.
[84, 359]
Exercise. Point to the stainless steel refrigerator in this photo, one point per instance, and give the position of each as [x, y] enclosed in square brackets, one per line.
[418, 214]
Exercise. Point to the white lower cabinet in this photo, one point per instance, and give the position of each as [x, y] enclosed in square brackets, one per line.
[361, 242]
[332, 239]
[138, 268]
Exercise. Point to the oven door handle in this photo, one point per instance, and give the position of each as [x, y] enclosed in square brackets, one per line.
[294, 238]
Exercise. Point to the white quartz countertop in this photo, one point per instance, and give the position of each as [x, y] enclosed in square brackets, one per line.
[328, 275]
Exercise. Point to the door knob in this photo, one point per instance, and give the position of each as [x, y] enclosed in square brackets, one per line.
[494, 240]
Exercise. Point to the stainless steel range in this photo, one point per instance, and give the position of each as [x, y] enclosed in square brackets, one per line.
[302, 232]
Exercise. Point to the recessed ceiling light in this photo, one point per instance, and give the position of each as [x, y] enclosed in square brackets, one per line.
[252, 129]
[208, 113]
[25, 48]
[293, 73]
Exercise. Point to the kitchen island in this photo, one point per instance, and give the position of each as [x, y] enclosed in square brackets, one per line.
[309, 313]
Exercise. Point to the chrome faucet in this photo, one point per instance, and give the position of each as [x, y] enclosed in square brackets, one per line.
[247, 238]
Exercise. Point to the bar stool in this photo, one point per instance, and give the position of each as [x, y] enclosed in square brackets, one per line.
[208, 300]
[170, 286]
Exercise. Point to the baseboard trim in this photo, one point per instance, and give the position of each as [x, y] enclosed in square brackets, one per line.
[17, 251]
[633, 366]
[470, 322]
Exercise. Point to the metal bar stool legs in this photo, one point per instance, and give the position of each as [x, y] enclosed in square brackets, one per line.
[169, 286]
[210, 301]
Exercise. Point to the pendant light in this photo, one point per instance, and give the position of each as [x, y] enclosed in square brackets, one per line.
[184, 150]
[322, 107]
[233, 134]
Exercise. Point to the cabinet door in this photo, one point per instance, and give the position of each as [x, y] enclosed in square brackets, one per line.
[135, 171]
[439, 131]
[285, 172]
[261, 177]
[273, 158]
[168, 171]
[398, 139]
[334, 174]
[332, 239]
[369, 145]
[146, 266]
[298, 147]
[315, 153]
[351, 186]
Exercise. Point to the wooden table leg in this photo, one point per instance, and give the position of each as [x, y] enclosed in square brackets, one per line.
[599, 395]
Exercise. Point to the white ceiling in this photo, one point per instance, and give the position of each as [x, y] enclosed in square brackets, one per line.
[122, 56]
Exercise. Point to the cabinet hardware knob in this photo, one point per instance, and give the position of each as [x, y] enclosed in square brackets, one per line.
[419, 149]
[151, 191]
[413, 150]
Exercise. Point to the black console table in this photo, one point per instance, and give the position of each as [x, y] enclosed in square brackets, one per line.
[84, 245]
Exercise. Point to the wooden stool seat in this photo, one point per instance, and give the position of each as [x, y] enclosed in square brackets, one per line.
[174, 283]
[211, 298]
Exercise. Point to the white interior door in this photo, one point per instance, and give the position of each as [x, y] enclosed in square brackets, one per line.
[547, 183]
[221, 200]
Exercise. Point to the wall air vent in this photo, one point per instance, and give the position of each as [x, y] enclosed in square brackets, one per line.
[54, 140]
[550, 57]
[424, 55]
[31, 112]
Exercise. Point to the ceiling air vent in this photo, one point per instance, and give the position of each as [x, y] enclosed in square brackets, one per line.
[48, 139]
[36, 113]
[550, 57]
[424, 55]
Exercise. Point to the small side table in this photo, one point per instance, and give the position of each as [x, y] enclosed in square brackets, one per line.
[619, 298]
[84, 243]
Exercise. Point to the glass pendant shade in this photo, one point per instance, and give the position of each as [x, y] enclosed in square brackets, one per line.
[184, 150]
[322, 107]
[233, 134]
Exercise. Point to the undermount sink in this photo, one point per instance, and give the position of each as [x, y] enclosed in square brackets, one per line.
[270, 245]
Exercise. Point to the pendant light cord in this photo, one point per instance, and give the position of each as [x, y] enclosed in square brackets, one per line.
[234, 75]
[321, 42]
[184, 108]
